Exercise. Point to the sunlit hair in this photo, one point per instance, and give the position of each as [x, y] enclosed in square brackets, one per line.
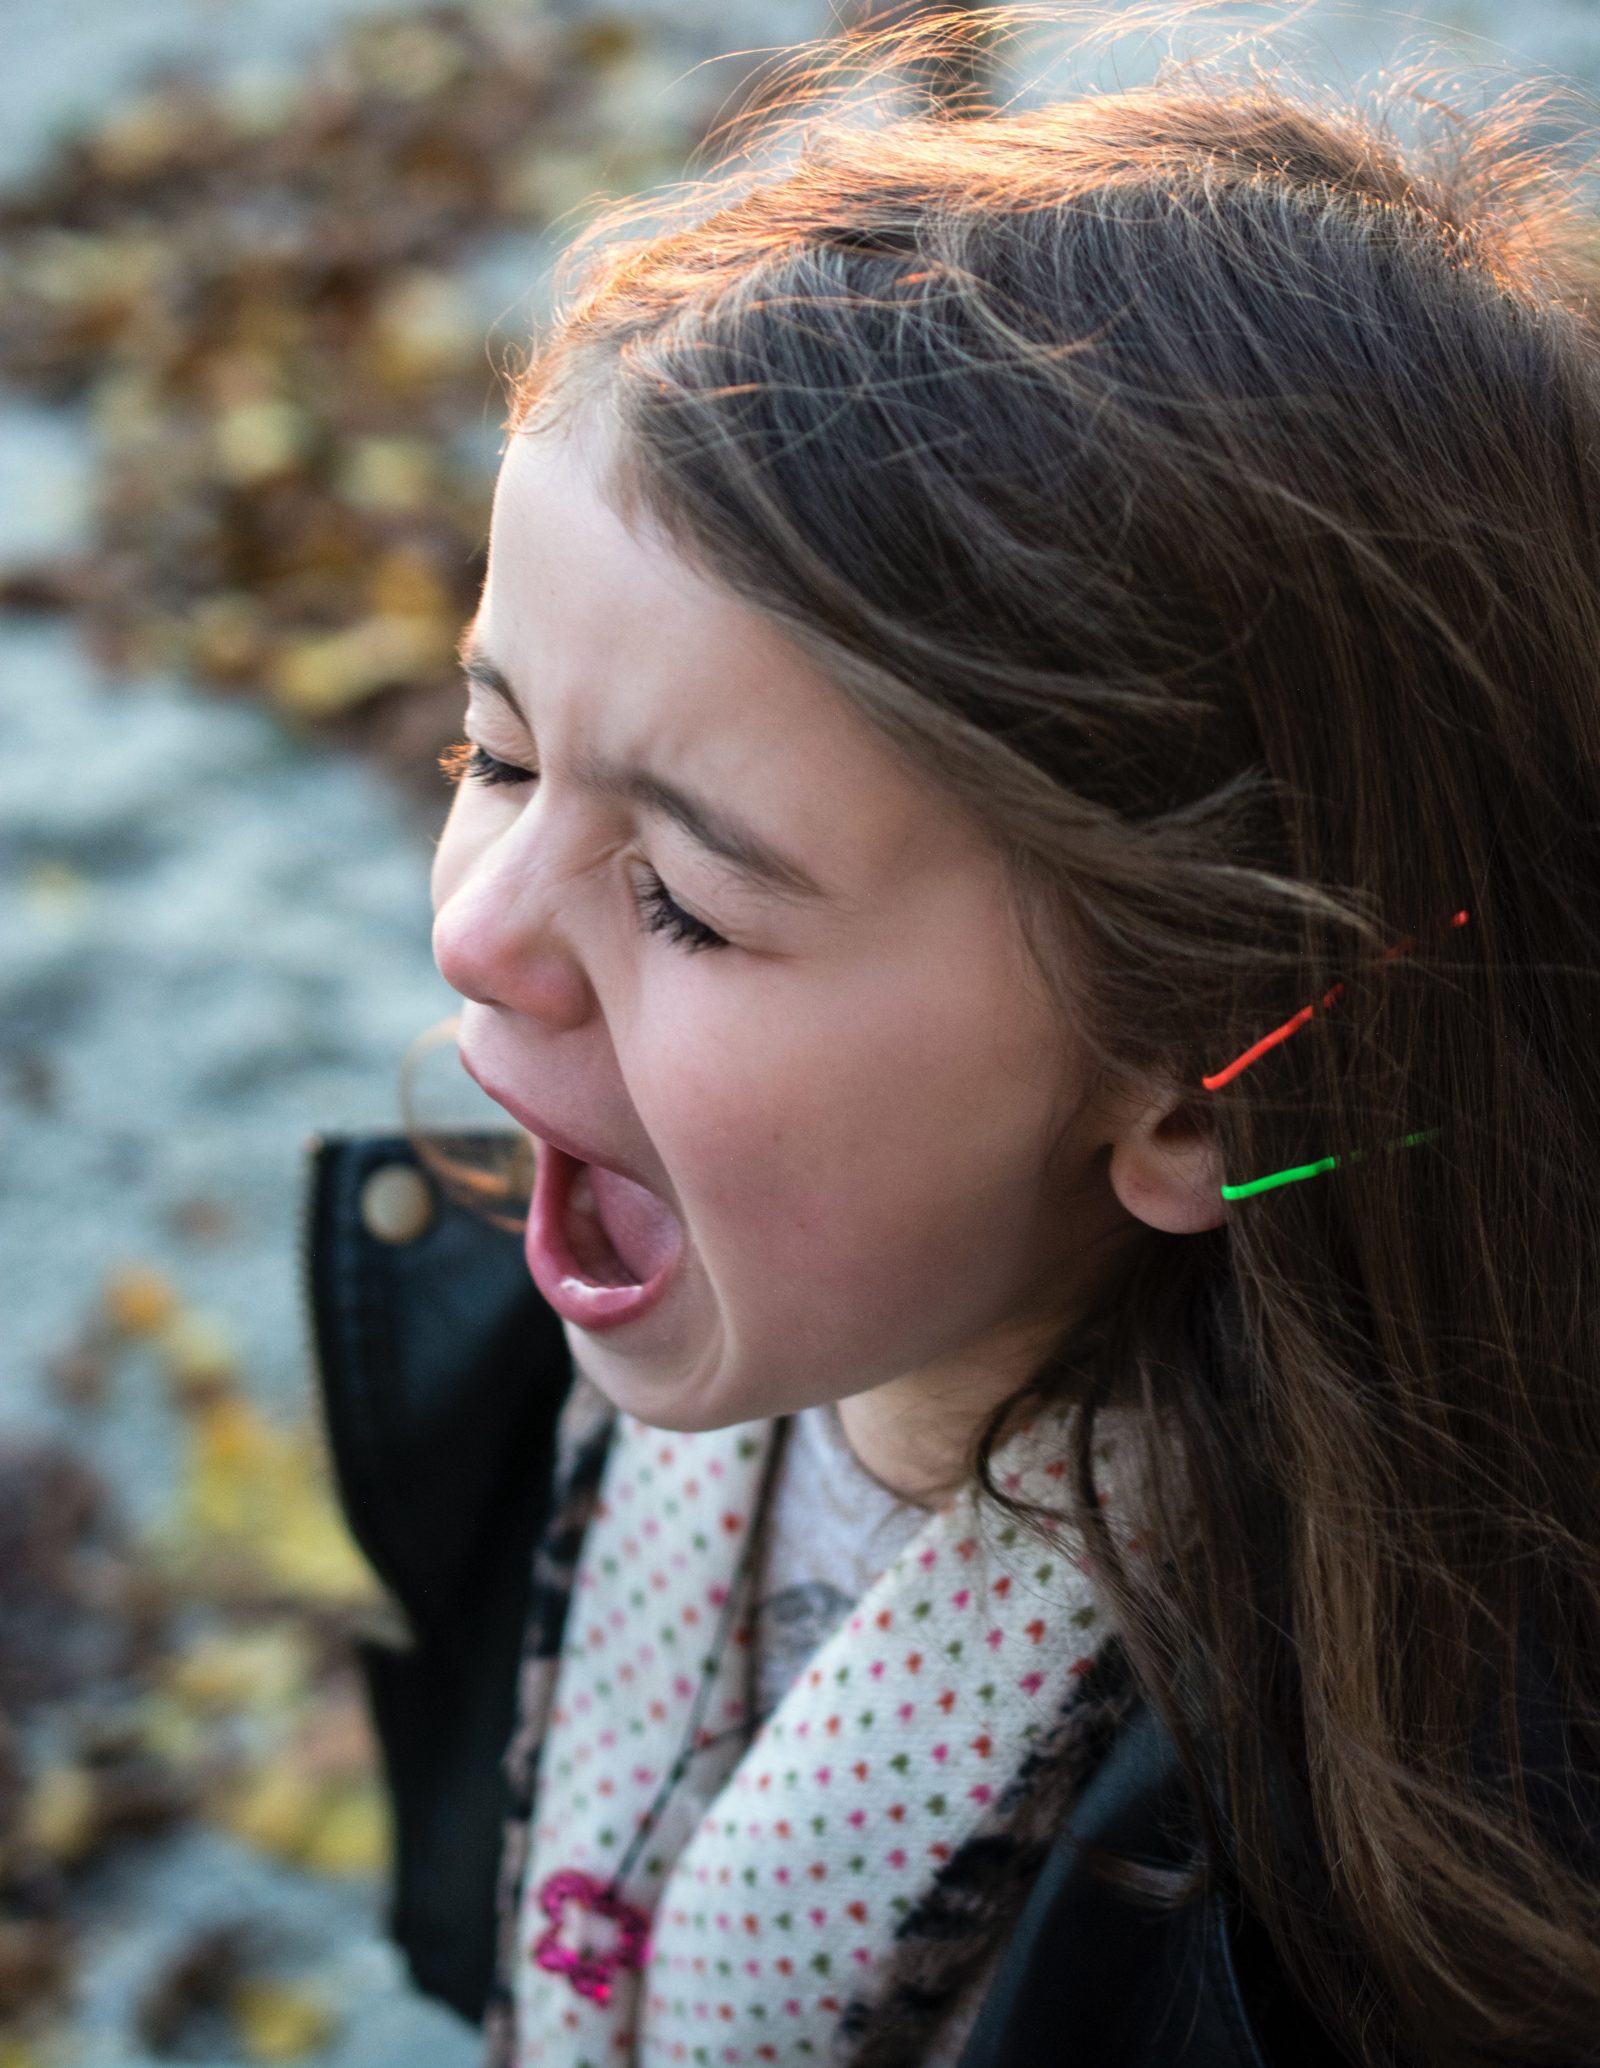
[1201, 483]
[487, 1171]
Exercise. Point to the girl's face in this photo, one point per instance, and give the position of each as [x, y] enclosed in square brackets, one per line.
[726, 946]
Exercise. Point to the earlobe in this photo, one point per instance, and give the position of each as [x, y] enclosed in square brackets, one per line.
[1166, 1170]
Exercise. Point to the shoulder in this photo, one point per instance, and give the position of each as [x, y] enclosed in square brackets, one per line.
[1196, 1984]
[1189, 1985]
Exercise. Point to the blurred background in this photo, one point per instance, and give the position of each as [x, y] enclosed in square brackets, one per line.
[261, 265]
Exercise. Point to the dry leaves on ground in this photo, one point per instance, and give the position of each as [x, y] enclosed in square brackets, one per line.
[261, 301]
[203, 1672]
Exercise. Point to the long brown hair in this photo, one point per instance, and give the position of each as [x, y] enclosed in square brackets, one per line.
[1204, 484]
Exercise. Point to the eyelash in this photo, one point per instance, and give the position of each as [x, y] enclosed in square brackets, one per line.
[658, 909]
[466, 759]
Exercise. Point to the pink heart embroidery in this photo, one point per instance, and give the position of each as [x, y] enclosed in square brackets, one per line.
[589, 1973]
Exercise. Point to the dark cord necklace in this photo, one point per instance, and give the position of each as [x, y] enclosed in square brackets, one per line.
[590, 1973]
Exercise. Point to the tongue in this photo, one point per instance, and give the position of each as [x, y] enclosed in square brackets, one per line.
[642, 1229]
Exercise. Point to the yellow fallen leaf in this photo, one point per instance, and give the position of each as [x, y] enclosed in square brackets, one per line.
[604, 40]
[254, 440]
[424, 325]
[227, 637]
[405, 583]
[56, 893]
[277, 2023]
[410, 59]
[307, 1547]
[199, 1351]
[256, 1503]
[547, 184]
[67, 267]
[391, 476]
[350, 1832]
[137, 1299]
[247, 1669]
[59, 1815]
[141, 137]
[331, 1828]
[273, 1808]
[323, 673]
[223, 1494]
[312, 1557]
[172, 1732]
[259, 99]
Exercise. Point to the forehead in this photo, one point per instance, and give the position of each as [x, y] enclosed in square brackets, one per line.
[616, 643]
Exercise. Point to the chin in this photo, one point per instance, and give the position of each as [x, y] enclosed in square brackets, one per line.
[683, 1406]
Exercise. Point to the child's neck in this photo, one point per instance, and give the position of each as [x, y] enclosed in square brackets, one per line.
[915, 1434]
[875, 1428]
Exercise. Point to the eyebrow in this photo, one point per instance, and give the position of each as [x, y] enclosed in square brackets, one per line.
[715, 830]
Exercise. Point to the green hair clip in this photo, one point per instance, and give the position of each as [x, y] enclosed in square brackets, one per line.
[1270, 1041]
[1311, 1170]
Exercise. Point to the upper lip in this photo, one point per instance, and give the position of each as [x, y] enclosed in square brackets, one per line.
[537, 1125]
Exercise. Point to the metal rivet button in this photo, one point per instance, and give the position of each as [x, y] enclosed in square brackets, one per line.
[397, 1203]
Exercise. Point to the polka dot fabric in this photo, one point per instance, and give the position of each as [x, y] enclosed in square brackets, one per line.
[781, 1870]
[658, 1560]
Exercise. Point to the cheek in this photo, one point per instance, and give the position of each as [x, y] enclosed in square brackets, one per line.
[863, 1152]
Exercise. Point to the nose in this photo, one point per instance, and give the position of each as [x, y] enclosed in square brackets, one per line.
[498, 939]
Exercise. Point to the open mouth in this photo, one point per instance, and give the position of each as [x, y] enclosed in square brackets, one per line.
[600, 1247]
[588, 1238]
[619, 1233]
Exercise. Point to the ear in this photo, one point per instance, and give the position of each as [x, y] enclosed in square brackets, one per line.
[1166, 1167]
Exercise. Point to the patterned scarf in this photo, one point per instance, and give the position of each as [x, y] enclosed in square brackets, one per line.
[826, 1888]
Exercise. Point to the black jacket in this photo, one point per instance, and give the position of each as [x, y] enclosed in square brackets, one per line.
[442, 1371]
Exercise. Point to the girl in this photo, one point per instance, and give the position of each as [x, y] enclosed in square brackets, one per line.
[1025, 854]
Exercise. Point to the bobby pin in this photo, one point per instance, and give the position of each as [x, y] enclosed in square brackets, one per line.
[1311, 1170]
[1253, 1054]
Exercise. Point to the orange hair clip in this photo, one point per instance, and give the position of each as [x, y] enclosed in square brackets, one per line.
[1258, 1049]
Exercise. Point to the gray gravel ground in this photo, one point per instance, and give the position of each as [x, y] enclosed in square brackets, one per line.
[214, 941]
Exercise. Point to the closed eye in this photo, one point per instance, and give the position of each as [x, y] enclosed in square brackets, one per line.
[657, 907]
[662, 913]
[466, 758]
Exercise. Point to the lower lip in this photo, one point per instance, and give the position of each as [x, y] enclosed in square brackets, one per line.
[555, 1270]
